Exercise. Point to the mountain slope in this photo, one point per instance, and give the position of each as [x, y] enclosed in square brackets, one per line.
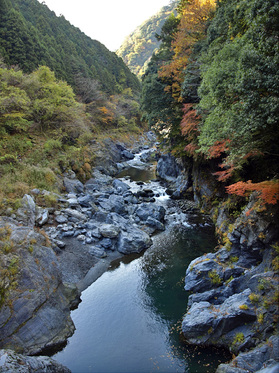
[138, 47]
[32, 35]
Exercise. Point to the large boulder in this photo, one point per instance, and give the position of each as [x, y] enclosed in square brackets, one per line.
[167, 167]
[174, 172]
[36, 314]
[262, 359]
[26, 213]
[109, 230]
[73, 185]
[120, 186]
[205, 324]
[133, 240]
[146, 210]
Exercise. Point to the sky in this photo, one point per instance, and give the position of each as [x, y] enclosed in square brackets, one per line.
[108, 21]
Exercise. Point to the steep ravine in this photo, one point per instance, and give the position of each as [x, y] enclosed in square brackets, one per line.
[234, 290]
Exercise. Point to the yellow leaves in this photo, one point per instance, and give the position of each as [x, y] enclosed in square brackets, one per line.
[107, 114]
[192, 27]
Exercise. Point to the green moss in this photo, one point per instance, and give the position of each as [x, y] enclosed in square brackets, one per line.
[238, 339]
[214, 278]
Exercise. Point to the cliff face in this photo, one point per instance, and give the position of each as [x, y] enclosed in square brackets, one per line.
[234, 291]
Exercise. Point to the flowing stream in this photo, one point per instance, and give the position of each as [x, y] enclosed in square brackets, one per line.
[129, 319]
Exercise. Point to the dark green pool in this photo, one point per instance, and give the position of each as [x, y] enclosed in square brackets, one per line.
[129, 319]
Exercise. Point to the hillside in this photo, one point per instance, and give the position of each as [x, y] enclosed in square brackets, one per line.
[31, 35]
[138, 47]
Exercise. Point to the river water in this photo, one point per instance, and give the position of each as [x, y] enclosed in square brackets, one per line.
[129, 319]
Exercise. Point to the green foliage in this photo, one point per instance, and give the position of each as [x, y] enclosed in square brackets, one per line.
[31, 35]
[238, 339]
[214, 278]
[240, 80]
[37, 99]
[137, 49]
[159, 108]
[227, 85]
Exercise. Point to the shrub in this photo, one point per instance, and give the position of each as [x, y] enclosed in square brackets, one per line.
[51, 145]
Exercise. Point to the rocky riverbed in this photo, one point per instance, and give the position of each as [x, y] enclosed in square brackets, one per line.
[53, 253]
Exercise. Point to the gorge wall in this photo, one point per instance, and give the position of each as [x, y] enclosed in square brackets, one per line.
[234, 291]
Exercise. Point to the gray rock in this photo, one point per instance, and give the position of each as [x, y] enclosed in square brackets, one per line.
[199, 271]
[27, 212]
[61, 219]
[167, 167]
[75, 214]
[118, 204]
[206, 324]
[130, 198]
[41, 216]
[73, 185]
[59, 243]
[133, 240]
[127, 154]
[12, 362]
[73, 202]
[213, 296]
[40, 314]
[146, 210]
[86, 201]
[109, 230]
[97, 251]
[120, 186]
[154, 223]
[262, 359]
[106, 243]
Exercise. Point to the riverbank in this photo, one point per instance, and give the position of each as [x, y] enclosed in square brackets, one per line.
[48, 251]
[55, 253]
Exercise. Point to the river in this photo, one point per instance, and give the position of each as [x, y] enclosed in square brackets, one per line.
[129, 319]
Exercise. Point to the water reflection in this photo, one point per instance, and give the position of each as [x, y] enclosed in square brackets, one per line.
[128, 320]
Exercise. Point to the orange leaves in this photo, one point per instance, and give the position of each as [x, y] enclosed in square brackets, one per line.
[190, 120]
[218, 148]
[107, 114]
[268, 190]
[189, 127]
[192, 27]
[226, 173]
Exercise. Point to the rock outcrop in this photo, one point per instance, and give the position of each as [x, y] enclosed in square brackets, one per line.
[13, 362]
[233, 293]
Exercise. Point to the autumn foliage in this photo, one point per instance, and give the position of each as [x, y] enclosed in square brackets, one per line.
[268, 190]
[189, 127]
[192, 27]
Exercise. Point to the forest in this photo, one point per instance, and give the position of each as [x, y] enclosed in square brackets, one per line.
[137, 48]
[211, 91]
[32, 35]
[59, 91]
